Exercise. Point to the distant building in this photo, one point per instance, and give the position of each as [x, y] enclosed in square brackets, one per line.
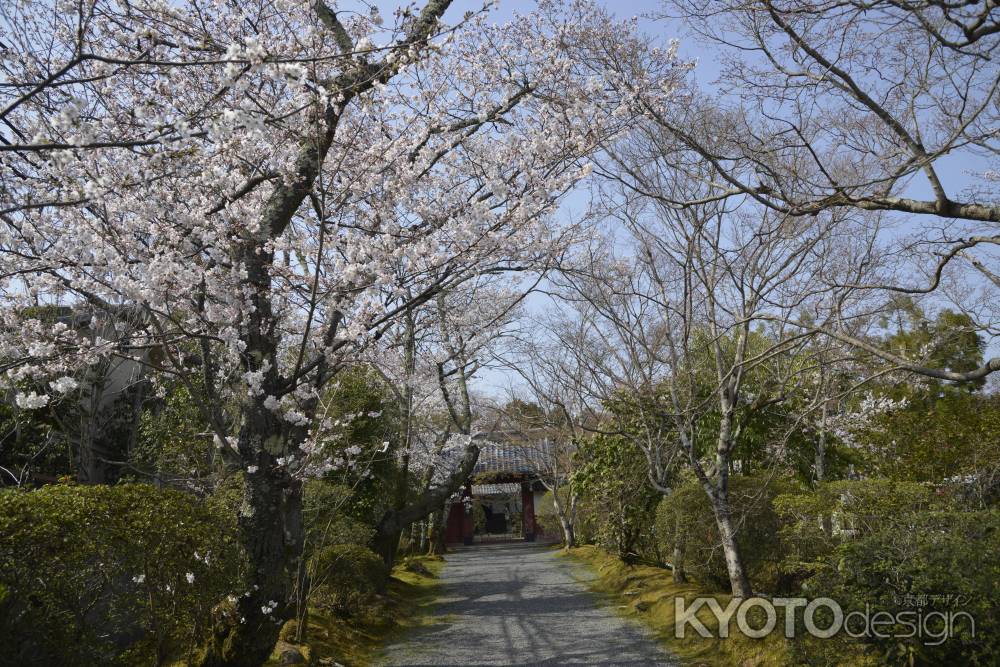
[101, 424]
[502, 493]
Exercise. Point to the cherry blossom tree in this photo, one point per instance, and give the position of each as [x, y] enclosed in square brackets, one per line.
[263, 188]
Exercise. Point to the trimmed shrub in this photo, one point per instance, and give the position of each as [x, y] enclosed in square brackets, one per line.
[815, 522]
[923, 569]
[122, 574]
[685, 519]
[884, 546]
[345, 577]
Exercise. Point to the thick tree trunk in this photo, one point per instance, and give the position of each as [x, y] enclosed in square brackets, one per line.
[271, 531]
[569, 533]
[270, 517]
[385, 543]
[270, 520]
[270, 523]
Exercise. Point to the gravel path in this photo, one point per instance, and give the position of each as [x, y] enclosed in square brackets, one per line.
[519, 604]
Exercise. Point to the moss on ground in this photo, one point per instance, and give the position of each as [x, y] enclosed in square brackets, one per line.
[357, 641]
[647, 593]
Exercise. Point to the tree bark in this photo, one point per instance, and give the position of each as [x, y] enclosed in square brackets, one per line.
[569, 534]
[679, 573]
[386, 536]
[738, 580]
[418, 535]
[270, 517]
[566, 517]
[718, 496]
[427, 532]
[437, 531]
[386, 542]
[719, 492]
[270, 523]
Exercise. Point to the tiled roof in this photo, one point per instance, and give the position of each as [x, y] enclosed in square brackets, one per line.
[498, 458]
[480, 490]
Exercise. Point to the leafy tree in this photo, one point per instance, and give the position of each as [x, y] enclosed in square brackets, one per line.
[935, 431]
[361, 420]
[951, 341]
[885, 546]
[612, 479]
[934, 438]
[175, 444]
[30, 446]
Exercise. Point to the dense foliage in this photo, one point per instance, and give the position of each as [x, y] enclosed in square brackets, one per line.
[898, 547]
[684, 522]
[914, 534]
[257, 255]
[345, 577]
[618, 504]
[124, 574]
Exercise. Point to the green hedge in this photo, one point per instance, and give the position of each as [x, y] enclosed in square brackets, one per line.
[897, 547]
[813, 523]
[122, 574]
[685, 518]
[345, 577]
[926, 562]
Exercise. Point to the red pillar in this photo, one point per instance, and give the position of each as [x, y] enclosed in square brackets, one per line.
[527, 512]
[468, 525]
[456, 517]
